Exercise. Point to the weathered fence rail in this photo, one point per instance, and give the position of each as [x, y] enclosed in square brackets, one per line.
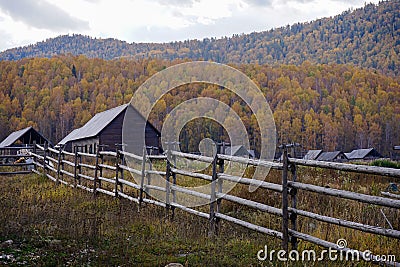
[13, 163]
[103, 172]
[348, 167]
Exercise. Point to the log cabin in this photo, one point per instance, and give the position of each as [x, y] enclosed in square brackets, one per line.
[105, 129]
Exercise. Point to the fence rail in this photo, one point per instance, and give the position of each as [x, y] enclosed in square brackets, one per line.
[12, 163]
[103, 172]
[348, 167]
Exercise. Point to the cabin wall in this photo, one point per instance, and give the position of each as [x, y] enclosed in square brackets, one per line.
[134, 133]
[112, 134]
[340, 158]
[88, 145]
[68, 147]
[33, 136]
[152, 136]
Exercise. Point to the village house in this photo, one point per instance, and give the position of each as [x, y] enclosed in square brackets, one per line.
[334, 156]
[318, 154]
[239, 151]
[23, 138]
[105, 129]
[363, 154]
[313, 154]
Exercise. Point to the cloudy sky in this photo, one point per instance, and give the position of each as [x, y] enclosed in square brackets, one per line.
[24, 22]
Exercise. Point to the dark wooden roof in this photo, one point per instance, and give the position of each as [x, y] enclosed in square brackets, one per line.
[238, 151]
[312, 154]
[363, 153]
[330, 156]
[94, 126]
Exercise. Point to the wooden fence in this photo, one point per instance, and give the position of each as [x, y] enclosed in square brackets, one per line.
[9, 161]
[103, 172]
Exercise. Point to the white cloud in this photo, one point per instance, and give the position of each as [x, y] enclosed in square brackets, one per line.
[178, 3]
[5, 38]
[259, 2]
[41, 14]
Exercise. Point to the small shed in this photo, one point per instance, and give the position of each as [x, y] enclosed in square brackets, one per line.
[363, 154]
[312, 154]
[335, 156]
[24, 137]
[239, 151]
[105, 128]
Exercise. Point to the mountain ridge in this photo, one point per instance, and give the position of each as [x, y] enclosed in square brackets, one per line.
[367, 37]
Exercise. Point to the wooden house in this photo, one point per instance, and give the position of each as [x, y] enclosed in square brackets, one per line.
[23, 138]
[105, 129]
[312, 154]
[239, 151]
[334, 156]
[363, 154]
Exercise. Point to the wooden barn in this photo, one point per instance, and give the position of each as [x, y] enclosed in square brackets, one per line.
[312, 154]
[24, 137]
[334, 156]
[239, 151]
[363, 154]
[105, 129]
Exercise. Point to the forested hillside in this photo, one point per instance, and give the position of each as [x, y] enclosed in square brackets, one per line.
[366, 37]
[319, 106]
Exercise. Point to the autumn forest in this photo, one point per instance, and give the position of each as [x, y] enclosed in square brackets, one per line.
[319, 106]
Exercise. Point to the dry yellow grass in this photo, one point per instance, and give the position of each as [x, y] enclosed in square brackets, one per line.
[53, 225]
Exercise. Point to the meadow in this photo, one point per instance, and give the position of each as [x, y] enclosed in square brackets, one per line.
[47, 225]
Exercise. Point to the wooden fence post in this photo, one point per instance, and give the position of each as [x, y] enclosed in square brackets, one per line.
[174, 180]
[79, 168]
[148, 175]
[285, 212]
[293, 195]
[143, 175]
[62, 164]
[100, 168]
[122, 162]
[167, 182]
[44, 158]
[34, 152]
[212, 229]
[96, 171]
[221, 164]
[75, 165]
[117, 170]
[59, 165]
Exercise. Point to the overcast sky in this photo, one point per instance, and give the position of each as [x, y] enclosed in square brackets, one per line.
[24, 22]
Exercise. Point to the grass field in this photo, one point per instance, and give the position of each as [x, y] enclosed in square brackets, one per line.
[47, 225]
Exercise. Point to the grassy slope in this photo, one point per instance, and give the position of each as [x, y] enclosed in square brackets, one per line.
[52, 225]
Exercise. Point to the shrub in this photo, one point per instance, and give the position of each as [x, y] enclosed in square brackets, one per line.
[385, 163]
